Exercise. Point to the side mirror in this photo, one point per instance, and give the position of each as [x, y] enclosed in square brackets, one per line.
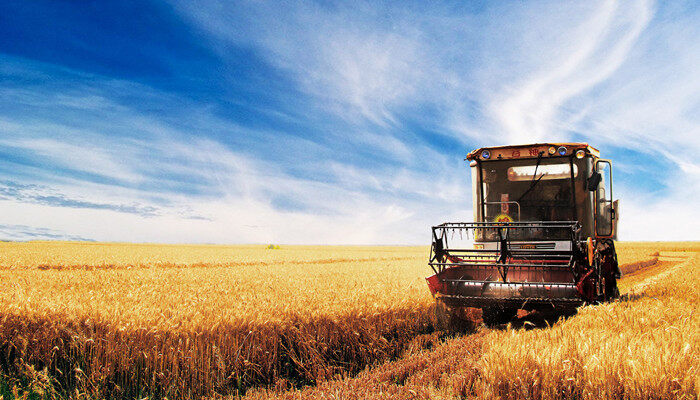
[593, 182]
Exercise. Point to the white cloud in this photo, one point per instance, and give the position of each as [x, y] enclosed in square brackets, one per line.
[198, 189]
[357, 61]
[75, 155]
[615, 74]
[598, 46]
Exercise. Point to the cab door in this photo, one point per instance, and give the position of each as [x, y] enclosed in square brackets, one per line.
[604, 209]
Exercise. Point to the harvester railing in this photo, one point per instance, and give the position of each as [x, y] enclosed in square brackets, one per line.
[505, 245]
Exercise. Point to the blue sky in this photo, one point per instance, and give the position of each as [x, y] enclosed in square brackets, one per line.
[334, 122]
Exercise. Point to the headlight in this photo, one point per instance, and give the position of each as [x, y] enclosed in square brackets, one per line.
[552, 150]
[580, 154]
[562, 151]
[485, 154]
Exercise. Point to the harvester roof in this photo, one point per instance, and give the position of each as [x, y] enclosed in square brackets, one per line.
[531, 151]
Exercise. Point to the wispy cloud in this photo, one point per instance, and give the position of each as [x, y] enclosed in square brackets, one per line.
[595, 71]
[126, 161]
[598, 47]
[23, 232]
[349, 57]
[40, 194]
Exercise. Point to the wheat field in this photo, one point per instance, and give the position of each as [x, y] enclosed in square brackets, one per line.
[110, 320]
[644, 346]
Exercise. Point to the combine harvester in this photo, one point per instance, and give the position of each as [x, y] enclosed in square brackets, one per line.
[542, 238]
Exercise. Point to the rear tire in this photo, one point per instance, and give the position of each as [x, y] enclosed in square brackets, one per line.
[493, 316]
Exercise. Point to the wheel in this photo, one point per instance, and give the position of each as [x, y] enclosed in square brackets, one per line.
[493, 316]
[611, 290]
[609, 270]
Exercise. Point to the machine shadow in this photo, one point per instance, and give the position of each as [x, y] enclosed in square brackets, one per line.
[535, 320]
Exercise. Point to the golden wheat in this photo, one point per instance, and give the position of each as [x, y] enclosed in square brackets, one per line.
[77, 255]
[644, 346]
[232, 318]
[123, 320]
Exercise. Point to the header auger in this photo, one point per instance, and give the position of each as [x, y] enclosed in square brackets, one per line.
[542, 238]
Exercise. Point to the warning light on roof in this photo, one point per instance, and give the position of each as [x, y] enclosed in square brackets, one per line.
[552, 150]
[485, 154]
[580, 154]
[562, 151]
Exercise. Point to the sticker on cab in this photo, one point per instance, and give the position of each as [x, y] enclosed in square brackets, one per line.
[503, 218]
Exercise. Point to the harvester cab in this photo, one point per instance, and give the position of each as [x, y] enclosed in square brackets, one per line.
[542, 236]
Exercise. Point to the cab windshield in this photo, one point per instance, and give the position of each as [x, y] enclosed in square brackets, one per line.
[525, 190]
